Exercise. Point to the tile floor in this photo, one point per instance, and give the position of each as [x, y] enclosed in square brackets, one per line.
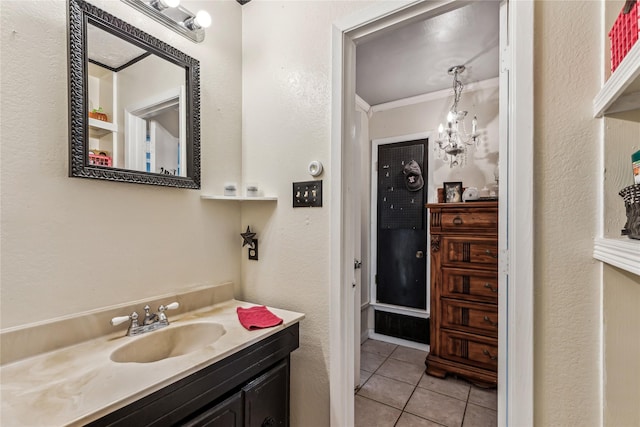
[396, 392]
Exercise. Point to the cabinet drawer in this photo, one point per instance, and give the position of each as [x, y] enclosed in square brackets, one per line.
[470, 284]
[469, 251]
[470, 317]
[452, 220]
[469, 349]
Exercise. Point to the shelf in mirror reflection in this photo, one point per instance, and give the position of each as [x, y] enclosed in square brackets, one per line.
[100, 128]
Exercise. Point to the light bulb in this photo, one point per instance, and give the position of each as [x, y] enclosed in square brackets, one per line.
[203, 19]
[171, 3]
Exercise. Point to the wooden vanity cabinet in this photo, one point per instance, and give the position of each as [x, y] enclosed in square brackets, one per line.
[249, 388]
[464, 291]
[263, 402]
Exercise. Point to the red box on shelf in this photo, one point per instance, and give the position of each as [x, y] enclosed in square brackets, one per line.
[623, 35]
[98, 160]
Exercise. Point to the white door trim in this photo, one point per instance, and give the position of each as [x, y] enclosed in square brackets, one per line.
[516, 395]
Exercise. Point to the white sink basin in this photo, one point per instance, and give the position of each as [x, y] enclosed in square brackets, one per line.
[169, 342]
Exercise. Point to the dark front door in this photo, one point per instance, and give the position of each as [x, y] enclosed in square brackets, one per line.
[401, 225]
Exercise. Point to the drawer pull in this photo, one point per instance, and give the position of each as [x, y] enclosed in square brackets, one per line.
[489, 321]
[491, 288]
[486, 353]
[457, 221]
[491, 254]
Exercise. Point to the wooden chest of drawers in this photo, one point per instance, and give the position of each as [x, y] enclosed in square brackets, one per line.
[464, 291]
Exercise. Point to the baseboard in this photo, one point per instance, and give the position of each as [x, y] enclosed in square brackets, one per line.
[397, 341]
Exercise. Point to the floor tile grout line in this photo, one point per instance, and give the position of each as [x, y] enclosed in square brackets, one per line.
[444, 394]
[415, 387]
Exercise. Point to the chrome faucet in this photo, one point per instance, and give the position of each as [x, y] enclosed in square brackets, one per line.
[151, 321]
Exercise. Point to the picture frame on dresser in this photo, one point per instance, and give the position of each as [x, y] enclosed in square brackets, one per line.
[452, 192]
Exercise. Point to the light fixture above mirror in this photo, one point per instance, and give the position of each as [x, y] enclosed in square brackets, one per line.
[172, 15]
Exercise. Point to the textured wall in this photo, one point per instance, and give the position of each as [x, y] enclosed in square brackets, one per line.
[286, 124]
[567, 282]
[621, 299]
[69, 244]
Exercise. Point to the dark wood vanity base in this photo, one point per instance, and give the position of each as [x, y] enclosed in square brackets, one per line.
[464, 292]
[249, 388]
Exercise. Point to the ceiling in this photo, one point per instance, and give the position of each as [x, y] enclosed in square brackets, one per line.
[110, 50]
[413, 60]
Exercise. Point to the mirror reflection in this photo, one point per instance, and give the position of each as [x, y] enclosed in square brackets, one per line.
[136, 103]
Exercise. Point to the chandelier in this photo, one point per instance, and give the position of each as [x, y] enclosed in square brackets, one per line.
[453, 141]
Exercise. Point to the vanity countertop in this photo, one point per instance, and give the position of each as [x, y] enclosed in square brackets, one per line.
[78, 384]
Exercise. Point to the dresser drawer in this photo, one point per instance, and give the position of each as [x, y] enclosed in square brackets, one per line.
[467, 220]
[469, 317]
[469, 251]
[478, 285]
[469, 349]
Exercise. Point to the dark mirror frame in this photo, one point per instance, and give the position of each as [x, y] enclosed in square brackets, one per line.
[80, 14]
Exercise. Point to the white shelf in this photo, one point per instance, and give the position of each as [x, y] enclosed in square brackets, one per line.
[622, 252]
[100, 128]
[622, 91]
[241, 198]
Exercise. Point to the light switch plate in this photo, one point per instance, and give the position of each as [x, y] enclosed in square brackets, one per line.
[307, 194]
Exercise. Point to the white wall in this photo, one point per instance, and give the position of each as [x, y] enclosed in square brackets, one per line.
[425, 116]
[286, 124]
[567, 315]
[621, 347]
[69, 244]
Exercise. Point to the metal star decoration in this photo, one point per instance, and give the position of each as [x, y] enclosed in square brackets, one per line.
[248, 237]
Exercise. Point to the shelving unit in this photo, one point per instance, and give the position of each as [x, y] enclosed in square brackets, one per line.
[620, 93]
[99, 128]
[240, 198]
[104, 135]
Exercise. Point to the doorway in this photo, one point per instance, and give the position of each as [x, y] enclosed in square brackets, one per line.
[398, 287]
[516, 400]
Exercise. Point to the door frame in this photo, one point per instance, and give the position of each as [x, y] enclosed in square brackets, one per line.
[515, 391]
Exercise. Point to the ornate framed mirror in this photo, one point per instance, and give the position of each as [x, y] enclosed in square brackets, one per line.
[134, 104]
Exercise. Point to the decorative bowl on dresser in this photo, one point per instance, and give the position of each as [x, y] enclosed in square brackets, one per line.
[464, 291]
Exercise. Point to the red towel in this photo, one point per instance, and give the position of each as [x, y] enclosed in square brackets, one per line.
[257, 317]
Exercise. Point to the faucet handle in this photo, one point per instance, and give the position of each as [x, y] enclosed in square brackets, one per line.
[163, 308]
[171, 306]
[121, 319]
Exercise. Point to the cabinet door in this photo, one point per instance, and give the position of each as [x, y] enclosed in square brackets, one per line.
[225, 414]
[266, 399]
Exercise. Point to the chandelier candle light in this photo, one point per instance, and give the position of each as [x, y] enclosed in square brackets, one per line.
[453, 141]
